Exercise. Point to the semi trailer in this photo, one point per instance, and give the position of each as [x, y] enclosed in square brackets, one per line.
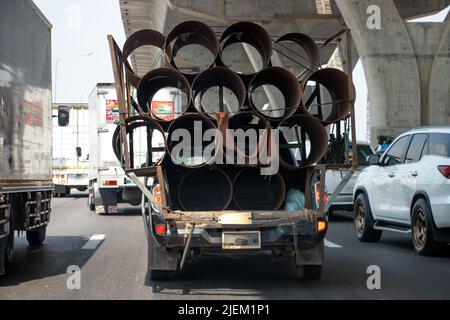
[25, 125]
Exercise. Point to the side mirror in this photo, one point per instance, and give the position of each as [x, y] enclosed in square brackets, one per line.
[79, 152]
[63, 116]
[373, 160]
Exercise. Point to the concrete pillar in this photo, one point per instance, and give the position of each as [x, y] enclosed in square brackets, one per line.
[405, 69]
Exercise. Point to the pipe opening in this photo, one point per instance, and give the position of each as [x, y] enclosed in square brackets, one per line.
[208, 97]
[253, 191]
[191, 47]
[280, 91]
[251, 41]
[192, 140]
[146, 142]
[303, 142]
[165, 93]
[327, 96]
[205, 189]
[148, 43]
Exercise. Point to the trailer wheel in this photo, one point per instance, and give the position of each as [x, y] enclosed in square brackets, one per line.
[161, 275]
[309, 272]
[36, 237]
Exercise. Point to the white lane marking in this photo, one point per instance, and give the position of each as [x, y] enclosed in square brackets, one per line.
[94, 242]
[332, 245]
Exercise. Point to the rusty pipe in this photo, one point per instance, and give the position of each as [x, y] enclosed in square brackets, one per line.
[246, 32]
[205, 189]
[337, 84]
[146, 37]
[306, 126]
[284, 81]
[307, 44]
[188, 33]
[218, 77]
[253, 191]
[159, 79]
[188, 131]
[131, 124]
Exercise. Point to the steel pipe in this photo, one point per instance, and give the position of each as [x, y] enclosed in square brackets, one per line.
[337, 84]
[253, 191]
[218, 77]
[133, 123]
[284, 81]
[308, 45]
[188, 33]
[305, 126]
[159, 79]
[205, 189]
[248, 33]
[188, 132]
[146, 37]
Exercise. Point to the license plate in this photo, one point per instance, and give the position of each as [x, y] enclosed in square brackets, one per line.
[244, 240]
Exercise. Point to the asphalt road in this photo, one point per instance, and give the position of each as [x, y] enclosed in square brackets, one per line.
[111, 253]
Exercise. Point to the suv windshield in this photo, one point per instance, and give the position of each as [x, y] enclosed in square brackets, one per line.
[439, 144]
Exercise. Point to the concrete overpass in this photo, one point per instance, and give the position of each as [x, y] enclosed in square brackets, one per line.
[406, 64]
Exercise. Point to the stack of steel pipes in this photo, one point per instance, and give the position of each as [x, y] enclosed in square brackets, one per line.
[216, 182]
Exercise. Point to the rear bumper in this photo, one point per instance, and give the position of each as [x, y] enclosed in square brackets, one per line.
[300, 231]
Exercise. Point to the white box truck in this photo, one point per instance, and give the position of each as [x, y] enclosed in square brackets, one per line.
[108, 184]
[71, 150]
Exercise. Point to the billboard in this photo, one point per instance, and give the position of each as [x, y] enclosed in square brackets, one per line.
[164, 110]
[112, 111]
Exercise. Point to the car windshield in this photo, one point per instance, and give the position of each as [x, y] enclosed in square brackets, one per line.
[363, 152]
[440, 144]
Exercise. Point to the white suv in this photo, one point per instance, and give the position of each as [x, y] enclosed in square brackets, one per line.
[408, 190]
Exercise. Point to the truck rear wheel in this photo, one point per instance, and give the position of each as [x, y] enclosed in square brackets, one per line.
[36, 237]
[309, 272]
[161, 275]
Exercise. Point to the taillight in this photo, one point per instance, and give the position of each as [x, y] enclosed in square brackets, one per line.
[318, 194]
[445, 170]
[321, 226]
[110, 183]
[157, 193]
[160, 229]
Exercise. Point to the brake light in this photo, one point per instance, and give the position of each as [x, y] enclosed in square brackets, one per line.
[160, 229]
[110, 183]
[445, 170]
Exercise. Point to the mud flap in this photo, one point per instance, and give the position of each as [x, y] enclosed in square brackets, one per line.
[161, 259]
[312, 256]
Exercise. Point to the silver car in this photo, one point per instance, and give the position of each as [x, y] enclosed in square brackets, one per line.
[344, 201]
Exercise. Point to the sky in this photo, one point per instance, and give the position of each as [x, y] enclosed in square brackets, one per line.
[82, 26]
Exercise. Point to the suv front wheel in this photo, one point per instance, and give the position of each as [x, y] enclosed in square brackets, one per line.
[364, 223]
[422, 230]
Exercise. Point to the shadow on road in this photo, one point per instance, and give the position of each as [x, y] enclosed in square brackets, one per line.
[52, 259]
[247, 276]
